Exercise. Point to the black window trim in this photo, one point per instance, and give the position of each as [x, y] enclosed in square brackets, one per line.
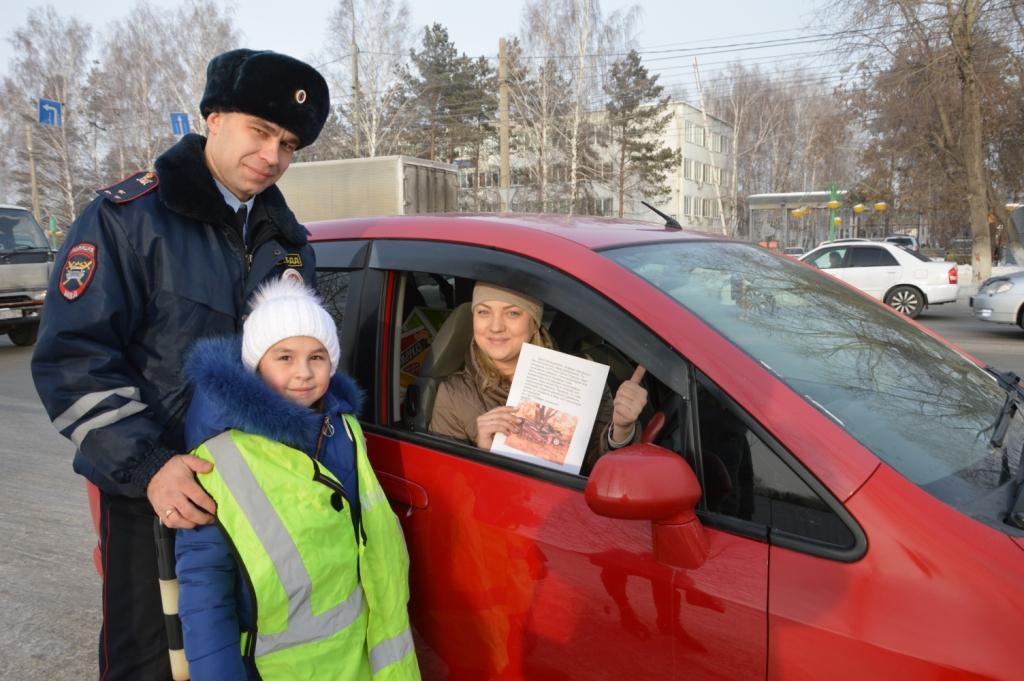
[776, 537]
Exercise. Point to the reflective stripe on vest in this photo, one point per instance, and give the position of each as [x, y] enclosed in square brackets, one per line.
[385, 574]
[391, 651]
[303, 625]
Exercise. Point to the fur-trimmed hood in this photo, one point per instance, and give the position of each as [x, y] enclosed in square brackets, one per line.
[187, 187]
[227, 396]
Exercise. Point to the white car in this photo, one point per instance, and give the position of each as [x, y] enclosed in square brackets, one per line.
[890, 273]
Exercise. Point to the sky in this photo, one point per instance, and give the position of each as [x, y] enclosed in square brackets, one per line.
[475, 27]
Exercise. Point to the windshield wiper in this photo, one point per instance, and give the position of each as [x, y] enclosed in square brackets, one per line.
[1009, 382]
[1015, 513]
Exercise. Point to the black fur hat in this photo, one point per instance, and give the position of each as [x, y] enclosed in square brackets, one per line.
[273, 86]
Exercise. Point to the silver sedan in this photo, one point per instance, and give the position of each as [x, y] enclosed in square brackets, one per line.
[1001, 299]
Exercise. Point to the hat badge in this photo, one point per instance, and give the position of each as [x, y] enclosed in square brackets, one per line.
[300, 96]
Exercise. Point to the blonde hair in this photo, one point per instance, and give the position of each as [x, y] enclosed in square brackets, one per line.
[485, 373]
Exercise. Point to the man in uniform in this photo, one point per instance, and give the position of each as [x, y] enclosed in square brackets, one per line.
[157, 261]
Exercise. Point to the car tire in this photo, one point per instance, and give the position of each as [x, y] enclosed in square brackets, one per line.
[905, 299]
[24, 336]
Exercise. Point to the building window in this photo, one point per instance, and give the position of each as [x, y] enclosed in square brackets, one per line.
[688, 168]
[687, 201]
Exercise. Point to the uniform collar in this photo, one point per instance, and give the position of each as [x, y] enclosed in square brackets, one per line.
[188, 188]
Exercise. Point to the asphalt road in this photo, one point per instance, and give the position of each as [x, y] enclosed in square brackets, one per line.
[49, 591]
[1000, 345]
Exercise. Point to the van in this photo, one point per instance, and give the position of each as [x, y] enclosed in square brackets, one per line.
[26, 260]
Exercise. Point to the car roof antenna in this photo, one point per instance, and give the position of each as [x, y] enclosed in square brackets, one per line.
[670, 221]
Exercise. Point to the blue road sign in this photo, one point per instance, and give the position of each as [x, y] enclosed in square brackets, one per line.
[50, 113]
[179, 123]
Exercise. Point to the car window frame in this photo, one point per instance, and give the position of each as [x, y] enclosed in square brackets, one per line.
[391, 257]
[773, 536]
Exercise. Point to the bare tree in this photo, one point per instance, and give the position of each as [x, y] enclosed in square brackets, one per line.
[924, 47]
[50, 62]
[741, 98]
[129, 107]
[567, 48]
[379, 33]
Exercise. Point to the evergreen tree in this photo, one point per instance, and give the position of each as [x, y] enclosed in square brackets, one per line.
[637, 117]
[452, 97]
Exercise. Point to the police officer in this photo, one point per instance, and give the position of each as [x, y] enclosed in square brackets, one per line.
[157, 261]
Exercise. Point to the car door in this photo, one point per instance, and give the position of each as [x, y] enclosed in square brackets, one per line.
[513, 576]
[872, 269]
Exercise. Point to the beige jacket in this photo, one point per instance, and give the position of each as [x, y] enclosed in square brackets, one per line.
[460, 401]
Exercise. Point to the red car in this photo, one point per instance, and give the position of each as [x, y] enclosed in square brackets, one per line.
[825, 490]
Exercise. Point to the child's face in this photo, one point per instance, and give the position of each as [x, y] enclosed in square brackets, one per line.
[298, 369]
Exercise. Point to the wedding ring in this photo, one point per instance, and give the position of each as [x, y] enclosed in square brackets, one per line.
[168, 512]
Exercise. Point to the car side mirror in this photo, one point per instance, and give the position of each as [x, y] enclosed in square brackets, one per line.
[647, 482]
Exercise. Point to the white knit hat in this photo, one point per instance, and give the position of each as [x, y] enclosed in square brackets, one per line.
[284, 308]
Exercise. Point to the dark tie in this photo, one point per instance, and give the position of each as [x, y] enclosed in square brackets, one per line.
[240, 216]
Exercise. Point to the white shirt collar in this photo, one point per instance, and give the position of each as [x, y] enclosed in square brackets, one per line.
[232, 200]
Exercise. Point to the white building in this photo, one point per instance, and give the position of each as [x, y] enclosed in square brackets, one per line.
[702, 179]
[695, 183]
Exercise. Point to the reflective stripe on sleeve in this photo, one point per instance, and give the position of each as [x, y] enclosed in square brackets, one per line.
[303, 625]
[85, 403]
[105, 419]
[391, 651]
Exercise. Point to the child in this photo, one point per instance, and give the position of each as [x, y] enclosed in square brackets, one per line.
[305, 573]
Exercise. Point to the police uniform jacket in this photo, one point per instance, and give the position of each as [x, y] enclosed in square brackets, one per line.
[154, 263]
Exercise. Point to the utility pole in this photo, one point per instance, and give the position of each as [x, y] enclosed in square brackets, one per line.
[355, 83]
[32, 172]
[504, 177]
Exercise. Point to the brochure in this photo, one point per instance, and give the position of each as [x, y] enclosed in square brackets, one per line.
[556, 397]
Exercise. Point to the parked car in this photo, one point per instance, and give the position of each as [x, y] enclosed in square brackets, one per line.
[900, 278]
[794, 250]
[1000, 299]
[26, 261]
[906, 241]
[820, 491]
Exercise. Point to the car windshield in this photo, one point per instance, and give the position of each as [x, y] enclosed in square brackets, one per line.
[915, 402]
[20, 232]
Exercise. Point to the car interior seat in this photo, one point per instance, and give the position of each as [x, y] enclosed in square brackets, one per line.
[445, 357]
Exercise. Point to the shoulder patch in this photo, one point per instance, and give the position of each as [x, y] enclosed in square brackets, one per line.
[291, 260]
[77, 271]
[131, 188]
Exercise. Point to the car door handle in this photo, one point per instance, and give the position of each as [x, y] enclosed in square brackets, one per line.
[402, 491]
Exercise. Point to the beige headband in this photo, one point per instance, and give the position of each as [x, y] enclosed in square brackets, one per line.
[483, 292]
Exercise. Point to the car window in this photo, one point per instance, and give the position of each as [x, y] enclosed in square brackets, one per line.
[333, 286]
[871, 257]
[830, 258]
[433, 341]
[20, 232]
[914, 401]
[743, 478]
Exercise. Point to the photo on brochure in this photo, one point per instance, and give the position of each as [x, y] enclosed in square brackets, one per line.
[556, 397]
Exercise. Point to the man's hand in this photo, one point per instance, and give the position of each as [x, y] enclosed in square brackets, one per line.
[497, 420]
[630, 399]
[176, 496]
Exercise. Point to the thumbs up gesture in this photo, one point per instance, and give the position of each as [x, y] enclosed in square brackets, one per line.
[630, 399]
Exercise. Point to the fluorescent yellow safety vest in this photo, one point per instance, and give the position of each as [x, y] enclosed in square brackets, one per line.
[329, 604]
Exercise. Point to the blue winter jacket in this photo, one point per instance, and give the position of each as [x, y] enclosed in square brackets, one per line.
[147, 268]
[215, 601]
